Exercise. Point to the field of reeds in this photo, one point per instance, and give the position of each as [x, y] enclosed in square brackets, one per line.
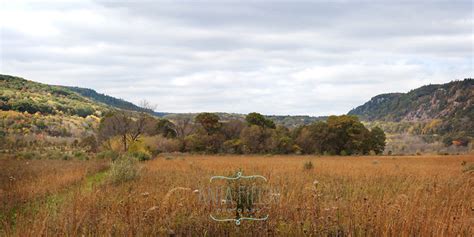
[317, 196]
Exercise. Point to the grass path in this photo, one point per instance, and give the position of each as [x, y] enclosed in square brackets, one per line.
[54, 201]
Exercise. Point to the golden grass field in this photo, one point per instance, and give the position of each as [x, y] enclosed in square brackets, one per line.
[340, 196]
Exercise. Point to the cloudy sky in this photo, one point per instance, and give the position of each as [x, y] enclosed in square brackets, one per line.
[274, 57]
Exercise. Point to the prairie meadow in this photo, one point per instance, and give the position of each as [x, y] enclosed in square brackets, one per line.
[334, 196]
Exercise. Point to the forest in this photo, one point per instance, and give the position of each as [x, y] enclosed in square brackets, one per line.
[205, 133]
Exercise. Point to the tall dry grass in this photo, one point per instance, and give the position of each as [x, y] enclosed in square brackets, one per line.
[356, 196]
[23, 182]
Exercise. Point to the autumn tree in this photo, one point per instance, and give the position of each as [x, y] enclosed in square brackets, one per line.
[232, 129]
[304, 139]
[116, 124]
[313, 138]
[183, 127]
[127, 125]
[253, 139]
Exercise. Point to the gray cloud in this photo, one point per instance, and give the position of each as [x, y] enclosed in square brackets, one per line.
[275, 57]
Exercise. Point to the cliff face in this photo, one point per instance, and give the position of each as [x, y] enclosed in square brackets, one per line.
[446, 101]
[450, 104]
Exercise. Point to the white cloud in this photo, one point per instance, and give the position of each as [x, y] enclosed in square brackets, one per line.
[314, 58]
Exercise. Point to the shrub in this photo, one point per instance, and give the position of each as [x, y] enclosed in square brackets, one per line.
[28, 155]
[123, 169]
[140, 156]
[108, 155]
[149, 143]
[194, 143]
[138, 149]
[90, 143]
[54, 155]
[80, 155]
[308, 165]
[40, 124]
[168, 145]
[83, 111]
[66, 156]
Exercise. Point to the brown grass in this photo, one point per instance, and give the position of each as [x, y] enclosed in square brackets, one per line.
[25, 181]
[357, 196]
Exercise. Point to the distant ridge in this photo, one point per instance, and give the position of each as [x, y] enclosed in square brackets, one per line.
[451, 100]
[111, 101]
[452, 104]
[23, 95]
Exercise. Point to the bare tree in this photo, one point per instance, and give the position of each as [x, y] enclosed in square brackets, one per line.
[144, 123]
[147, 105]
[127, 125]
[232, 129]
[183, 126]
[116, 124]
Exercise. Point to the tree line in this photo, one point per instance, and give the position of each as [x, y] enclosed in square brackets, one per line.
[206, 133]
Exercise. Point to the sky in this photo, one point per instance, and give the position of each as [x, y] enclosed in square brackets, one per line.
[273, 57]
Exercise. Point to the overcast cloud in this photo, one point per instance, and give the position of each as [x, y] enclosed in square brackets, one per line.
[273, 57]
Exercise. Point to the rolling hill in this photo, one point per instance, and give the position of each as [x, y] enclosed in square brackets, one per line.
[445, 110]
[451, 100]
[22, 95]
[108, 100]
[422, 119]
[18, 94]
[440, 109]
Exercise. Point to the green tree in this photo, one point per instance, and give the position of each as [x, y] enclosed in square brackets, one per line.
[233, 146]
[280, 141]
[195, 143]
[259, 120]
[377, 140]
[165, 128]
[209, 122]
[347, 135]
